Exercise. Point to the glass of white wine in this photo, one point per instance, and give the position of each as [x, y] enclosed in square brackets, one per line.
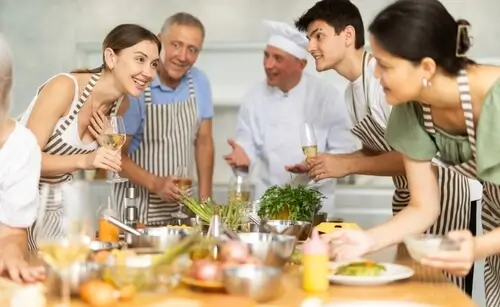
[113, 138]
[63, 230]
[239, 188]
[308, 140]
[184, 183]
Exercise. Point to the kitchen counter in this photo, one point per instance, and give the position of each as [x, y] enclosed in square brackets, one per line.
[427, 286]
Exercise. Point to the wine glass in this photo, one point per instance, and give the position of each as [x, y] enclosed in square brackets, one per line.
[63, 230]
[184, 183]
[239, 188]
[113, 138]
[308, 140]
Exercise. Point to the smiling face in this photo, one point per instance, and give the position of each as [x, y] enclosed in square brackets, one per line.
[134, 67]
[327, 48]
[181, 47]
[282, 69]
[401, 79]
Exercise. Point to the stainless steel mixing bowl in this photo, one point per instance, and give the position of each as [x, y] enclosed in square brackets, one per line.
[272, 249]
[158, 239]
[301, 230]
[260, 283]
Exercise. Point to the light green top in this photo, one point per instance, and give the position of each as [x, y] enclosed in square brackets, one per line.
[406, 134]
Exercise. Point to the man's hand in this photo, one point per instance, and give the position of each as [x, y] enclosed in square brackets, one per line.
[167, 189]
[300, 168]
[238, 157]
[325, 166]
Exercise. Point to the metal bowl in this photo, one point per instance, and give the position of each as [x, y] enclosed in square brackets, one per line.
[159, 239]
[260, 283]
[301, 230]
[79, 273]
[96, 246]
[272, 249]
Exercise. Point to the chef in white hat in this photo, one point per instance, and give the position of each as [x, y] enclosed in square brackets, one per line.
[274, 112]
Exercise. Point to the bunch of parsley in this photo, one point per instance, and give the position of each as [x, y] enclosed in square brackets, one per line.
[302, 202]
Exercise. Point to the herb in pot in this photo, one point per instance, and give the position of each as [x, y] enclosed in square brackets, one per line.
[300, 201]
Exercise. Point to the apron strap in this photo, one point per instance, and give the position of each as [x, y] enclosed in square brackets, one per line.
[81, 101]
[365, 92]
[465, 100]
[147, 91]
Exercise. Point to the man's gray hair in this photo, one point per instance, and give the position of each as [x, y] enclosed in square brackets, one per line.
[6, 63]
[183, 19]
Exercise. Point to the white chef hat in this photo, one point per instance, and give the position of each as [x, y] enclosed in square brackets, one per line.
[287, 38]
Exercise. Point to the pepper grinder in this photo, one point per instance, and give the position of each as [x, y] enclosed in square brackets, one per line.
[131, 212]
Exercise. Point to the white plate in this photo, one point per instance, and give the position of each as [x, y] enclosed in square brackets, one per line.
[393, 272]
[376, 304]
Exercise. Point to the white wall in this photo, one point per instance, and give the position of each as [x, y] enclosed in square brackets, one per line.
[52, 36]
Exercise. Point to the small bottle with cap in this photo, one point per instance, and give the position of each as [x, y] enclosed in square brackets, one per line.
[315, 264]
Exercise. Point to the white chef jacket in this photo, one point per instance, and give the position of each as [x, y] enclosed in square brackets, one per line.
[379, 107]
[20, 166]
[268, 129]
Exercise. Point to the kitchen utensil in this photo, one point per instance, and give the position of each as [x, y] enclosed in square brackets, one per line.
[421, 245]
[159, 238]
[261, 283]
[121, 225]
[300, 229]
[272, 249]
[96, 246]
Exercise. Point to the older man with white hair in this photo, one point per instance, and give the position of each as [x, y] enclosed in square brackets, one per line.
[272, 114]
[20, 164]
[168, 125]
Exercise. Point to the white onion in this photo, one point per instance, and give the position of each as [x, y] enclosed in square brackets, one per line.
[235, 251]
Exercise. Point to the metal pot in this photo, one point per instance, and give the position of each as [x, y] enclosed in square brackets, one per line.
[158, 239]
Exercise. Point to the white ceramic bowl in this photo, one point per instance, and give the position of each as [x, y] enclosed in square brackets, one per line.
[420, 246]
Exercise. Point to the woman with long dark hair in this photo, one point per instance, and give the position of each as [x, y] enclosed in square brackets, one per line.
[61, 111]
[446, 111]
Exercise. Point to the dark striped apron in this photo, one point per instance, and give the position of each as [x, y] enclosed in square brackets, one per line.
[490, 215]
[455, 208]
[58, 147]
[168, 139]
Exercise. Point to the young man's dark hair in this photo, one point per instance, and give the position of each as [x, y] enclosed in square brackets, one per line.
[338, 14]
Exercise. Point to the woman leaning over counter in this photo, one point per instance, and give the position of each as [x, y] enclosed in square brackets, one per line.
[61, 111]
[452, 117]
[20, 162]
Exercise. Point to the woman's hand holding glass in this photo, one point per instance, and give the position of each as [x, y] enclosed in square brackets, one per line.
[113, 138]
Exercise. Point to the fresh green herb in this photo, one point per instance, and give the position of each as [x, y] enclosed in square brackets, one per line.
[301, 202]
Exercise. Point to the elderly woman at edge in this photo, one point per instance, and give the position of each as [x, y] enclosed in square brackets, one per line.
[20, 163]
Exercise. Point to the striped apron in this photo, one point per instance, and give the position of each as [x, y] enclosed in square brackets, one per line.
[490, 215]
[168, 139]
[455, 208]
[58, 147]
